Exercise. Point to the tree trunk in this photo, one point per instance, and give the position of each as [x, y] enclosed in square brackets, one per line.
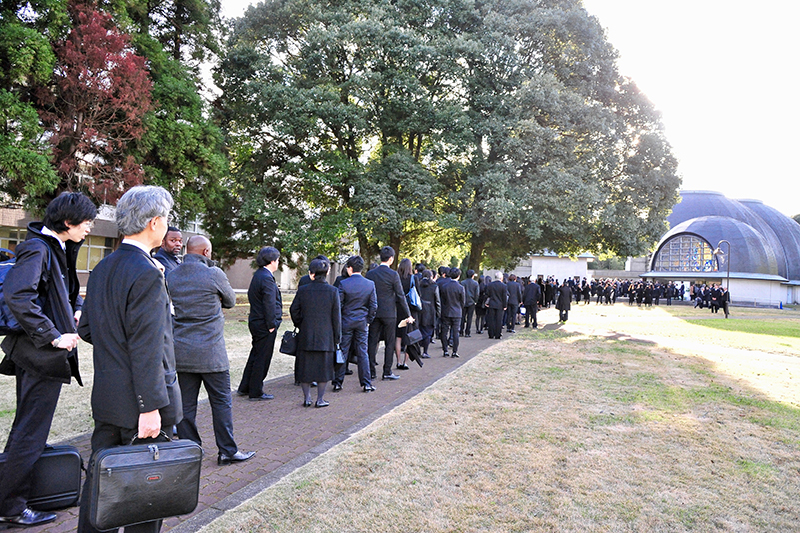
[477, 245]
[395, 241]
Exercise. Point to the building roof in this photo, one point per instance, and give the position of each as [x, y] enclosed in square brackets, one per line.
[764, 242]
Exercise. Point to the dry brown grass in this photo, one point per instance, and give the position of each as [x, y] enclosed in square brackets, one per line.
[556, 431]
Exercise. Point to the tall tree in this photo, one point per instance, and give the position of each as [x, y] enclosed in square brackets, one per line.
[94, 109]
[504, 122]
[182, 148]
[26, 62]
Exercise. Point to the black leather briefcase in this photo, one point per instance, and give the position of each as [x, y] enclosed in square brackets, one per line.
[144, 482]
[56, 478]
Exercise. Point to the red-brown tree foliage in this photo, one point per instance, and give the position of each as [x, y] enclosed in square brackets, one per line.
[95, 107]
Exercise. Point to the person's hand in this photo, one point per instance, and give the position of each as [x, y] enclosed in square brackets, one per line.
[410, 320]
[68, 341]
[273, 329]
[149, 424]
[78, 316]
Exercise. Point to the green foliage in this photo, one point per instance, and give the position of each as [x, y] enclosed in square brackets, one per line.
[502, 126]
[26, 62]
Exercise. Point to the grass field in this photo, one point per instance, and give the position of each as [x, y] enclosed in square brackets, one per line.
[604, 424]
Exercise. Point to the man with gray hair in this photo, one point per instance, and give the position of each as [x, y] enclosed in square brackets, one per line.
[126, 316]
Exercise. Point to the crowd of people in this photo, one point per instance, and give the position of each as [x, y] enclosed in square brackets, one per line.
[156, 323]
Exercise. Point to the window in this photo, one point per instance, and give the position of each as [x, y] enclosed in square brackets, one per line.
[93, 250]
[686, 253]
[9, 237]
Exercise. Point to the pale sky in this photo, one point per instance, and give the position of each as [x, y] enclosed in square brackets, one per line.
[724, 75]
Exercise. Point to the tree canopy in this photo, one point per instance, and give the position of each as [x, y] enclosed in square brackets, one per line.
[501, 127]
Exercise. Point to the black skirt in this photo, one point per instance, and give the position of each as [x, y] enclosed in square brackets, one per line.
[313, 366]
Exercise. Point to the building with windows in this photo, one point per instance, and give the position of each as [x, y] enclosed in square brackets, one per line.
[761, 262]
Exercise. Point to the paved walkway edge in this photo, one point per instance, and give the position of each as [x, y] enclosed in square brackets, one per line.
[205, 517]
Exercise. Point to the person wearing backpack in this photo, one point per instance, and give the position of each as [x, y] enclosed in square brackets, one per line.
[41, 291]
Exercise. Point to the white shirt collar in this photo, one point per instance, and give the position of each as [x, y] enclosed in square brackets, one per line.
[144, 248]
[48, 231]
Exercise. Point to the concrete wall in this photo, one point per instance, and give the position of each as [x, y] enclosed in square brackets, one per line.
[549, 266]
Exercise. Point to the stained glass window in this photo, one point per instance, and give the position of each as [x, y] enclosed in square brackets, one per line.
[686, 253]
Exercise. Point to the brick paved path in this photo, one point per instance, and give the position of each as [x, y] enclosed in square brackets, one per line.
[285, 435]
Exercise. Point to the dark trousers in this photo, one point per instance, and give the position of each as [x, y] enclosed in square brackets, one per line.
[36, 404]
[382, 328]
[466, 319]
[480, 319]
[494, 321]
[257, 367]
[427, 335]
[106, 436]
[530, 315]
[450, 332]
[512, 316]
[354, 340]
[563, 314]
[218, 387]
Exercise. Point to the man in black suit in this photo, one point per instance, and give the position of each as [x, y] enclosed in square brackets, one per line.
[441, 278]
[266, 310]
[497, 296]
[514, 299]
[390, 296]
[126, 316]
[42, 356]
[169, 252]
[359, 307]
[471, 294]
[530, 298]
[452, 294]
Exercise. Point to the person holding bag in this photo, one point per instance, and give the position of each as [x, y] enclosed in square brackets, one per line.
[316, 313]
[41, 291]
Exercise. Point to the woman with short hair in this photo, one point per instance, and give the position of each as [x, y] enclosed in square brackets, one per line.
[316, 313]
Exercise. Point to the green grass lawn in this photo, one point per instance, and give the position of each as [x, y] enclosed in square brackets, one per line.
[773, 327]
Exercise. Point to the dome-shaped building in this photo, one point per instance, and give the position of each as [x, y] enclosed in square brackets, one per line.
[762, 261]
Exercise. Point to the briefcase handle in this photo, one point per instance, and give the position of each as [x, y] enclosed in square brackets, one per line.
[162, 437]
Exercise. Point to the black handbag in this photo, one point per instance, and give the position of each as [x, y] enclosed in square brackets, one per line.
[289, 342]
[144, 482]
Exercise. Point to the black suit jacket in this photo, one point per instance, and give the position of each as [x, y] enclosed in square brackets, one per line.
[359, 301]
[472, 291]
[514, 293]
[453, 297]
[497, 293]
[389, 291]
[126, 316]
[531, 295]
[316, 312]
[266, 304]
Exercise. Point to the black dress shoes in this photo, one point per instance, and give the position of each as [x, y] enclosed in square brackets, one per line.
[454, 355]
[390, 377]
[28, 518]
[348, 372]
[262, 397]
[323, 403]
[307, 403]
[337, 387]
[238, 457]
[425, 356]
[369, 388]
[402, 367]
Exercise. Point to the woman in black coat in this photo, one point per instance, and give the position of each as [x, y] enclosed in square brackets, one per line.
[316, 313]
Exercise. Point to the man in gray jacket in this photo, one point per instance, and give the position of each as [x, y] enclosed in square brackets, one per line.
[199, 291]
